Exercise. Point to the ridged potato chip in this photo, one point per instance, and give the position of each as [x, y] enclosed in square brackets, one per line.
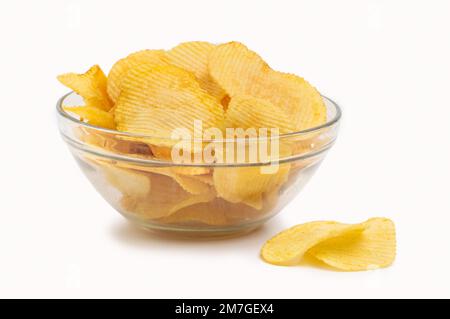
[198, 214]
[247, 184]
[128, 182]
[216, 212]
[289, 246]
[121, 67]
[165, 153]
[237, 69]
[93, 115]
[243, 72]
[110, 142]
[91, 86]
[187, 182]
[165, 198]
[155, 101]
[374, 247]
[204, 178]
[245, 111]
[191, 170]
[193, 57]
[192, 185]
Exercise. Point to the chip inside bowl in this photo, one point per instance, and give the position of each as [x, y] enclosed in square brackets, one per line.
[91, 86]
[152, 100]
[193, 57]
[241, 71]
[156, 101]
[121, 68]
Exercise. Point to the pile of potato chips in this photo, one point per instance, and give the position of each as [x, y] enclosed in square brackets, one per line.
[151, 93]
[365, 246]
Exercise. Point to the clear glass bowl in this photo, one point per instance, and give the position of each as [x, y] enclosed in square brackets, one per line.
[199, 199]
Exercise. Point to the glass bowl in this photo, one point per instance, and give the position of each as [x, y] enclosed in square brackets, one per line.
[142, 182]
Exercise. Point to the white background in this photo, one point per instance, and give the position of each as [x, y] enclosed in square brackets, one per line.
[386, 63]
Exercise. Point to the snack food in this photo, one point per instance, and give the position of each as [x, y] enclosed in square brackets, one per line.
[150, 94]
[156, 100]
[364, 246]
[90, 85]
[193, 57]
[121, 68]
[93, 115]
[302, 102]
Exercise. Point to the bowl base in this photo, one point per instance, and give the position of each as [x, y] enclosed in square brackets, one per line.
[192, 232]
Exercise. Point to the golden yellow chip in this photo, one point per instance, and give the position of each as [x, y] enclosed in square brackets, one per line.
[162, 152]
[192, 185]
[155, 101]
[121, 67]
[165, 198]
[94, 138]
[128, 182]
[93, 115]
[298, 97]
[165, 153]
[188, 183]
[198, 214]
[237, 69]
[111, 142]
[204, 178]
[193, 57]
[247, 184]
[373, 248]
[245, 112]
[289, 246]
[91, 86]
[243, 72]
[191, 170]
[216, 212]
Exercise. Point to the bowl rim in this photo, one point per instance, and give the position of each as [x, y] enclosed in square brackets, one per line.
[63, 113]
[334, 121]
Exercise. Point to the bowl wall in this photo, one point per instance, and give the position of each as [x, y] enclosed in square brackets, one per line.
[140, 180]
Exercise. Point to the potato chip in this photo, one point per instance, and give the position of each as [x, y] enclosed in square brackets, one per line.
[121, 67]
[237, 69]
[93, 116]
[191, 170]
[165, 153]
[193, 57]
[247, 184]
[245, 111]
[289, 246]
[216, 212]
[192, 185]
[91, 86]
[161, 152]
[372, 248]
[95, 139]
[165, 198]
[111, 142]
[128, 182]
[198, 214]
[155, 101]
[243, 72]
[187, 182]
[240, 213]
[204, 178]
